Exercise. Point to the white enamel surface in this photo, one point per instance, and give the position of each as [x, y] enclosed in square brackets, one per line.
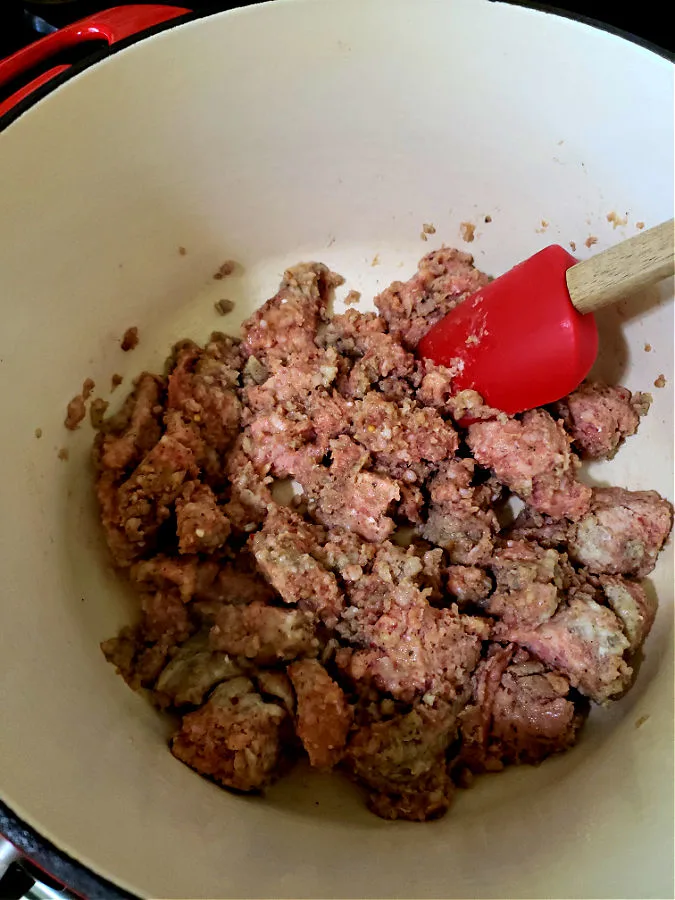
[326, 130]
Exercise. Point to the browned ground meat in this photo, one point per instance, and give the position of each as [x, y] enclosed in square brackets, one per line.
[599, 416]
[389, 620]
[234, 738]
[323, 714]
[623, 532]
[130, 339]
[77, 408]
[532, 458]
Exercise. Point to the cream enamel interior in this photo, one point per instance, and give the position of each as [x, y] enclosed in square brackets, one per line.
[333, 131]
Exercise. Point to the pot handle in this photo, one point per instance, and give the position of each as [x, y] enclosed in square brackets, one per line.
[111, 25]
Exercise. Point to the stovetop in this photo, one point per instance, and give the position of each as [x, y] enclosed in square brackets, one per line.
[23, 21]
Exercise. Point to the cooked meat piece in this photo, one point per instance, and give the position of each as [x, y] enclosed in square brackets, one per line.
[444, 278]
[323, 714]
[250, 495]
[623, 532]
[435, 388]
[459, 519]
[528, 579]
[238, 582]
[532, 457]
[265, 634]
[134, 430]
[384, 363]
[583, 640]
[346, 553]
[519, 713]
[146, 498]
[192, 672]
[345, 496]
[401, 762]
[234, 738]
[401, 436]
[278, 685]
[599, 416]
[531, 525]
[273, 440]
[200, 525]
[285, 327]
[468, 584]
[411, 505]
[122, 550]
[164, 615]
[409, 649]
[137, 660]
[633, 605]
[283, 551]
[189, 574]
[202, 388]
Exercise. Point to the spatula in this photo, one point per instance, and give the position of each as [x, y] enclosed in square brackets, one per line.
[529, 337]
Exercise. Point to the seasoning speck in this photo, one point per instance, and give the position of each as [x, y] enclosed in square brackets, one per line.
[590, 240]
[639, 225]
[660, 381]
[352, 298]
[428, 228]
[226, 269]
[63, 453]
[648, 348]
[376, 260]
[641, 721]
[116, 381]
[573, 245]
[488, 219]
[223, 307]
[542, 226]
[130, 339]
[467, 231]
[38, 433]
[182, 251]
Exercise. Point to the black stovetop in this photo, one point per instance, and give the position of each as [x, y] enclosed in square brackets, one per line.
[23, 22]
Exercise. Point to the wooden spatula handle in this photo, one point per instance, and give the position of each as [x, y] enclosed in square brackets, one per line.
[624, 269]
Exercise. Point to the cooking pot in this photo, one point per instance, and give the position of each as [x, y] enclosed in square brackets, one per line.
[308, 129]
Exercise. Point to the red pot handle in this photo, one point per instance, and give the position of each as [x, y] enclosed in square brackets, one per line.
[111, 25]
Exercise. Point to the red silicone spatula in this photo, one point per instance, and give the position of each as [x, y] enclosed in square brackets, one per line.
[529, 337]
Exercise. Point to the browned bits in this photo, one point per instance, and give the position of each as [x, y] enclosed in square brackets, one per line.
[639, 225]
[182, 251]
[116, 381]
[648, 348]
[130, 339]
[77, 408]
[223, 307]
[352, 298]
[428, 228]
[226, 269]
[617, 220]
[38, 433]
[641, 721]
[63, 454]
[467, 231]
[590, 240]
[573, 246]
[97, 412]
[487, 219]
[423, 236]
[660, 381]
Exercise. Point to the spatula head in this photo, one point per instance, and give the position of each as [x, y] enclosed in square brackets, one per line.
[518, 341]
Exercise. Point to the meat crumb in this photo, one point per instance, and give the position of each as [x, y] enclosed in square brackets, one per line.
[542, 227]
[352, 298]
[223, 307]
[428, 229]
[467, 231]
[97, 412]
[130, 339]
[660, 381]
[376, 260]
[182, 251]
[648, 348]
[573, 245]
[590, 240]
[487, 220]
[226, 269]
[38, 433]
[639, 225]
[641, 721]
[616, 219]
[423, 236]
[115, 381]
[63, 453]
[77, 408]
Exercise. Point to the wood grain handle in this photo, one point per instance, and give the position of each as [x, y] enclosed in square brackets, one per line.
[624, 269]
